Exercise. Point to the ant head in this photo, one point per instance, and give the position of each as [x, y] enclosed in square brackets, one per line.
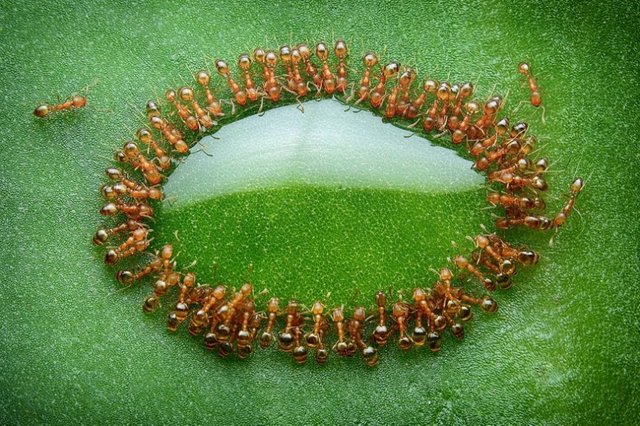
[445, 273]
[370, 59]
[167, 252]
[419, 295]
[407, 76]
[222, 67]
[321, 51]
[186, 93]
[203, 78]
[296, 57]
[41, 110]
[577, 186]
[219, 292]
[109, 210]
[304, 50]
[152, 109]
[317, 308]
[337, 315]
[391, 69]
[79, 101]
[466, 90]
[359, 314]
[443, 91]
[144, 135]
[259, 55]
[244, 61]
[491, 107]
[502, 126]
[100, 237]
[285, 54]
[340, 49]
[124, 277]
[523, 68]
[472, 107]
[189, 280]
[170, 95]
[271, 59]
[430, 85]
[274, 305]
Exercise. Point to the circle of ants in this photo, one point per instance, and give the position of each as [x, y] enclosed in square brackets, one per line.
[229, 321]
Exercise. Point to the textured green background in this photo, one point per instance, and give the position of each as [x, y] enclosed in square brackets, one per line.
[563, 347]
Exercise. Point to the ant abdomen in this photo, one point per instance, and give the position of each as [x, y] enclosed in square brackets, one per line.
[312, 339]
[434, 341]
[211, 340]
[457, 330]
[321, 356]
[419, 335]
[265, 339]
[300, 354]
[285, 341]
[370, 356]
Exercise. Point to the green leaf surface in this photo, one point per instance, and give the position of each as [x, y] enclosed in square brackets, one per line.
[561, 349]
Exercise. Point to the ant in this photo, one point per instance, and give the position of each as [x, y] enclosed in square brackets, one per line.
[378, 93]
[204, 78]
[369, 353]
[181, 308]
[131, 154]
[244, 336]
[126, 186]
[400, 312]
[344, 346]
[209, 303]
[369, 60]
[525, 69]
[395, 107]
[239, 94]
[102, 235]
[228, 311]
[160, 260]
[44, 110]
[314, 338]
[381, 332]
[341, 51]
[464, 264]
[244, 62]
[273, 308]
[300, 86]
[328, 79]
[187, 95]
[145, 136]
[135, 243]
[135, 211]
[543, 222]
[185, 115]
[270, 86]
[428, 86]
[310, 69]
[170, 133]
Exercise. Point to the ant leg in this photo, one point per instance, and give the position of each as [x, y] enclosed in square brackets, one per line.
[414, 124]
[300, 105]
[517, 108]
[352, 93]
[203, 149]
[288, 90]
